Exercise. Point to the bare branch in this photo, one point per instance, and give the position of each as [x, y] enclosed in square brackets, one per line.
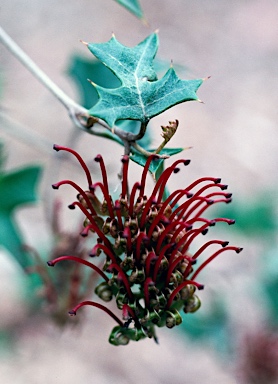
[78, 114]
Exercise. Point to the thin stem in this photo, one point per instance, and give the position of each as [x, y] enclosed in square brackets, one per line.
[147, 153]
[76, 111]
[79, 115]
[141, 133]
[11, 45]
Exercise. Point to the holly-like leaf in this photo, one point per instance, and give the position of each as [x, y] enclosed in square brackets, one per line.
[141, 95]
[132, 6]
[80, 70]
[16, 189]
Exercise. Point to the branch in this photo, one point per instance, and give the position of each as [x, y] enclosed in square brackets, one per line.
[73, 108]
[79, 115]
[146, 153]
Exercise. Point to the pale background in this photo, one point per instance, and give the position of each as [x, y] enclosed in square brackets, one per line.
[234, 136]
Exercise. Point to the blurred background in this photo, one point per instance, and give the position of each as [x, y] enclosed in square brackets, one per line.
[233, 135]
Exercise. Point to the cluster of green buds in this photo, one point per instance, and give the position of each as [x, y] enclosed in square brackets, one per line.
[144, 243]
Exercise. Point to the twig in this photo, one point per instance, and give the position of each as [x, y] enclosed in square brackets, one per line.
[79, 115]
[148, 153]
[73, 108]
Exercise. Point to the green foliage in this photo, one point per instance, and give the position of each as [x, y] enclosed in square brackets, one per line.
[80, 70]
[141, 95]
[17, 188]
[132, 6]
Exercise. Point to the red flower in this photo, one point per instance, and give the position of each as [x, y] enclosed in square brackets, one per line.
[148, 269]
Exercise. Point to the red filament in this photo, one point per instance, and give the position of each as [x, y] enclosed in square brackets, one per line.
[122, 276]
[99, 160]
[213, 256]
[100, 306]
[125, 161]
[127, 310]
[51, 263]
[144, 173]
[206, 245]
[106, 250]
[159, 259]
[148, 282]
[79, 158]
[179, 288]
[106, 196]
[80, 190]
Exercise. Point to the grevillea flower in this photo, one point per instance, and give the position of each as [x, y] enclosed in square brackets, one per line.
[144, 242]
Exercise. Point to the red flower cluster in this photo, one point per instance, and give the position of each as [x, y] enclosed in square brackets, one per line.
[147, 267]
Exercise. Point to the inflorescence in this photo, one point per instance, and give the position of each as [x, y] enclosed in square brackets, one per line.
[145, 241]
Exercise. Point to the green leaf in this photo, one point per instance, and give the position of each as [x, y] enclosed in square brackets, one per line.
[16, 189]
[141, 95]
[132, 6]
[155, 165]
[80, 70]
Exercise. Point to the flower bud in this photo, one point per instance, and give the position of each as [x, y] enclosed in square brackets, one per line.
[104, 291]
[192, 304]
[173, 318]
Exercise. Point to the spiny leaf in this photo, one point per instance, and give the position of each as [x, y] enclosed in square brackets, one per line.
[141, 95]
[80, 70]
[132, 6]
